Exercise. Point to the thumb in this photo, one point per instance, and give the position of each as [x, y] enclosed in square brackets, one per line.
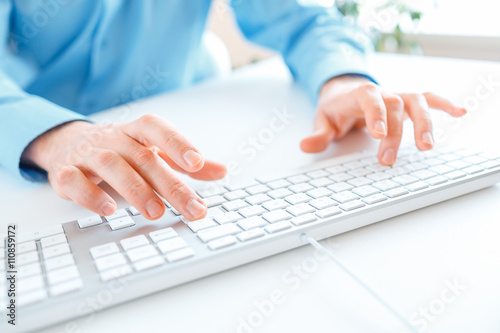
[323, 135]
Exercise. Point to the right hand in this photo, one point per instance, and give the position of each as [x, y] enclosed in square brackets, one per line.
[134, 158]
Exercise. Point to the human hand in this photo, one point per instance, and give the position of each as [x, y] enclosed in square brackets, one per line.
[348, 102]
[135, 158]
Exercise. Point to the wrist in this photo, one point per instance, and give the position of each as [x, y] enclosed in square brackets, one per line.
[342, 82]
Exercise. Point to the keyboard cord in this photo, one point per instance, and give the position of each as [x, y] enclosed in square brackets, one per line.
[378, 298]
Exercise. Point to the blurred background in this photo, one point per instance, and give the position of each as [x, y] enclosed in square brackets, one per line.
[443, 28]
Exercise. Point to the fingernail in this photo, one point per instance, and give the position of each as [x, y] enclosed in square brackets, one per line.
[154, 208]
[389, 156]
[427, 138]
[108, 209]
[192, 158]
[380, 127]
[195, 208]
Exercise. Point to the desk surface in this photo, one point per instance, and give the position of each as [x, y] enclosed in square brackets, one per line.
[439, 265]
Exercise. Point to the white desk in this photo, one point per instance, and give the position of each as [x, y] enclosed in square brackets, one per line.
[408, 259]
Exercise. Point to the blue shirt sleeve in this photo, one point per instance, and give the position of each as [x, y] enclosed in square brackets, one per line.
[317, 43]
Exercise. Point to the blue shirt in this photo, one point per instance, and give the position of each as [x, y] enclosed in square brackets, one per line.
[63, 59]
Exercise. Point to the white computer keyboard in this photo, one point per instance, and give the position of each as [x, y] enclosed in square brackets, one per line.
[59, 268]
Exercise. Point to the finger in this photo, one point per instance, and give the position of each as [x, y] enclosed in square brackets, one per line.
[418, 110]
[158, 174]
[372, 104]
[323, 135]
[154, 130]
[440, 103]
[211, 170]
[390, 144]
[112, 168]
[76, 186]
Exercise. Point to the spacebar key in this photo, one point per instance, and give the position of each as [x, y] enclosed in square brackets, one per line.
[220, 231]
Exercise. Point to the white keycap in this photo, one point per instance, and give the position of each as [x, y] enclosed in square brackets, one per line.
[162, 234]
[360, 181]
[365, 191]
[131, 242]
[319, 192]
[322, 203]
[340, 187]
[298, 179]
[434, 161]
[256, 189]
[56, 250]
[300, 188]
[345, 196]
[233, 195]
[59, 262]
[103, 250]
[275, 204]
[417, 186]
[490, 164]
[234, 205]
[211, 190]
[205, 223]
[25, 285]
[303, 219]
[336, 169]
[455, 174]
[133, 211]
[340, 177]
[107, 262]
[441, 169]
[66, 287]
[257, 199]
[354, 165]
[415, 166]
[41, 233]
[228, 217]
[148, 263]
[252, 211]
[437, 180]
[378, 176]
[53, 240]
[385, 185]
[473, 169]
[298, 198]
[458, 164]
[279, 226]
[475, 159]
[119, 213]
[89, 221]
[276, 184]
[62, 274]
[279, 193]
[121, 223]
[449, 157]
[377, 167]
[276, 216]
[222, 242]
[374, 198]
[321, 182]
[360, 172]
[171, 245]
[179, 254]
[369, 160]
[25, 247]
[397, 171]
[327, 212]
[250, 234]
[27, 258]
[31, 297]
[252, 222]
[396, 192]
[241, 184]
[115, 273]
[217, 232]
[28, 270]
[300, 209]
[405, 179]
[317, 174]
[423, 174]
[214, 201]
[351, 205]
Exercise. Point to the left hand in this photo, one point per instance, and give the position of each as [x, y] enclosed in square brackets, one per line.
[348, 102]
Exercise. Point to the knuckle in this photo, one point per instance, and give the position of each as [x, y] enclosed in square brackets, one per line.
[64, 175]
[367, 86]
[172, 138]
[144, 157]
[137, 188]
[177, 188]
[105, 158]
[394, 102]
[148, 119]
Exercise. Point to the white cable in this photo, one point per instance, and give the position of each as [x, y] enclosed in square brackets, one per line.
[321, 248]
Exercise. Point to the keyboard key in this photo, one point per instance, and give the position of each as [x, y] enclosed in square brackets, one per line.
[162, 234]
[396, 192]
[299, 179]
[378, 176]
[405, 179]
[298, 198]
[434, 161]
[398, 171]
[415, 166]
[211, 190]
[148, 263]
[171, 245]
[276, 184]
[321, 182]
[344, 197]
[424, 174]
[322, 203]
[417, 186]
[251, 223]
[319, 192]
[24, 247]
[252, 211]
[475, 159]
[56, 250]
[214, 200]
[28, 270]
[385, 185]
[327, 212]
[66, 287]
[276, 216]
[455, 174]
[360, 181]
[473, 169]
[217, 232]
[340, 187]
[351, 205]
[275, 204]
[336, 169]
[103, 250]
[279, 226]
[115, 273]
[119, 213]
[250, 234]
[490, 164]
[233, 195]
[132, 242]
[441, 169]
[436, 180]
[34, 296]
[133, 211]
[360, 172]
[89, 221]
[449, 157]
[317, 174]
[234, 205]
[53, 240]
[340, 177]
[377, 167]
[279, 193]
[62, 274]
[110, 261]
[59, 262]
[228, 217]
[179, 254]
[257, 189]
[458, 164]
[27, 258]
[300, 209]
[222, 242]
[365, 191]
[304, 219]
[300, 188]
[198, 225]
[41, 233]
[30, 283]
[241, 184]
[374, 198]
[121, 223]
[257, 199]
[354, 165]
